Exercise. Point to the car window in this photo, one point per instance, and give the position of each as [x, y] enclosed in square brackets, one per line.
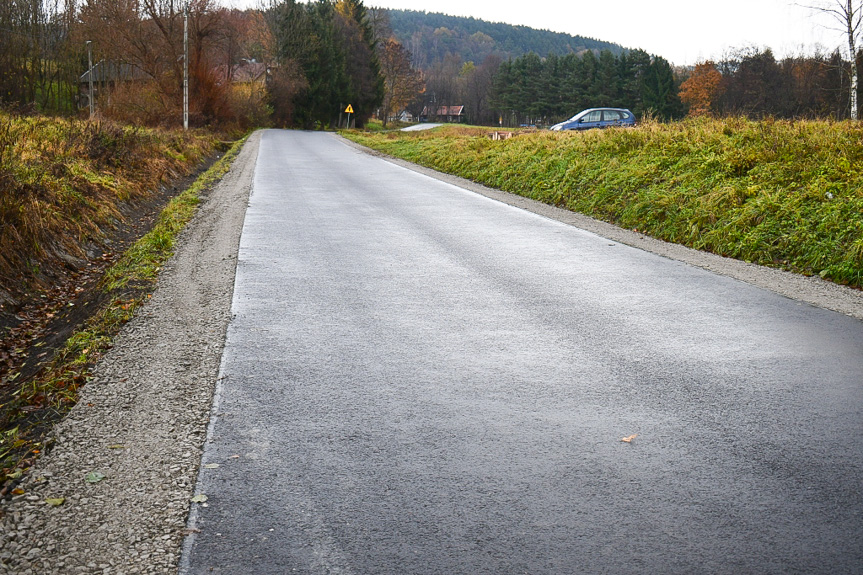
[594, 116]
[610, 116]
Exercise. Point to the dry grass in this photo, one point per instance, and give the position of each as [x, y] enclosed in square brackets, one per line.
[30, 405]
[62, 183]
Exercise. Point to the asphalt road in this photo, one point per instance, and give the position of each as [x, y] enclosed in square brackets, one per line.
[421, 380]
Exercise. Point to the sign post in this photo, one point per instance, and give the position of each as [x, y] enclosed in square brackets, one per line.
[349, 110]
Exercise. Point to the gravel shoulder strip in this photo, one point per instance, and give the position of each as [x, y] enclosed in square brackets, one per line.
[811, 290]
[141, 422]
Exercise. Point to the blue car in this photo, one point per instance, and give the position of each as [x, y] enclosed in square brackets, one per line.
[597, 118]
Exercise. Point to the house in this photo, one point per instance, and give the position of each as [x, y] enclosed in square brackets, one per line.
[452, 114]
[105, 74]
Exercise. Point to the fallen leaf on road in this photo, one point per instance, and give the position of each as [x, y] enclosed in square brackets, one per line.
[199, 498]
[94, 477]
[630, 438]
[55, 502]
[211, 466]
[117, 446]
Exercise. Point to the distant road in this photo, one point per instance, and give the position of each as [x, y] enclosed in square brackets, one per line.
[421, 380]
[418, 127]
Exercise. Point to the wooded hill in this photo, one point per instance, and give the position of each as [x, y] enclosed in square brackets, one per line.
[431, 36]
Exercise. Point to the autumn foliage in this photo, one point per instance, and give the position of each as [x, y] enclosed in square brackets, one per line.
[148, 37]
[701, 88]
[402, 83]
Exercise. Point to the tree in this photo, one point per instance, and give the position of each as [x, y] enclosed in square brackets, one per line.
[475, 85]
[287, 38]
[39, 64]
[362, 67]
[754, 85]
[528, 84]
[633, 69]
[700, 89]
[286, 85]
[659, 92]
[147, 36]
[325, 70]
[442, 83]
[333, 45]
[531, 89]
[605, 83]
[402, 84]
[502, 92]
[308, 47]
[812, 93]
[849, 15]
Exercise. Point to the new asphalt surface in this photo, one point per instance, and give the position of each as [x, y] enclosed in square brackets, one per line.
[421, 380]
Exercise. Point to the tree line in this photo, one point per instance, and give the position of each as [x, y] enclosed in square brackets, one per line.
[38, 63]
[290, 63]
[748, 82]
[534, 90]
[300, 64]
[431, 37]
[137, 52]
[753, 83]
[326, 57]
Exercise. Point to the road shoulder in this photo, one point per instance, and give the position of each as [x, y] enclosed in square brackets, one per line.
[125, 460]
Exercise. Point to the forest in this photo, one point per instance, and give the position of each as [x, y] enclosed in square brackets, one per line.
[430, 37]
[535, 91]
[299, 64]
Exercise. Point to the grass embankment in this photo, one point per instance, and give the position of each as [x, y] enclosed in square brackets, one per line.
[44, 398]
[64, 182]
[129, 280]
[782, 194]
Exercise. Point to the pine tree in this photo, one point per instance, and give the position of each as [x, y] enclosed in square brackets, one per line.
[333, 45]
[362, 67]
[659, 90]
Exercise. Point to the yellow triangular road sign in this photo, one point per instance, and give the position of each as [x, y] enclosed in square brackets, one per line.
[349, 109]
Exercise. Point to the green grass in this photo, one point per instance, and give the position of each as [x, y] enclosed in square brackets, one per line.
[776, 193]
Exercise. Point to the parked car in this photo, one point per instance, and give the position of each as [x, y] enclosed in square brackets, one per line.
[597, 118]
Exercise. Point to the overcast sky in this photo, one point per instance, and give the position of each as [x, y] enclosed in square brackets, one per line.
[682, 31]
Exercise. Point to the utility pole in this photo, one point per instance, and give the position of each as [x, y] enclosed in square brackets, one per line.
[186, 66]
[91, 95]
